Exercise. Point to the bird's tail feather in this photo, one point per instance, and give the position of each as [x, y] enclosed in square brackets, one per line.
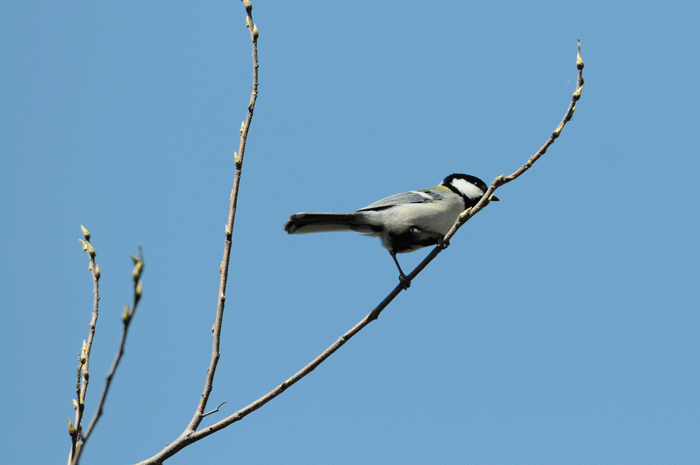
[304, 223]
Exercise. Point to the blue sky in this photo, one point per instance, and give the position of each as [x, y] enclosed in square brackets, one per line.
[561, 326]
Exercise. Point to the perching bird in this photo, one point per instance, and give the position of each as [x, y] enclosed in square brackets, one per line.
[404, 222]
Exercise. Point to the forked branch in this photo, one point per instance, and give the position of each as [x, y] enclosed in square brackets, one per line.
[190, 434]
[223, 269]
[83, 375]
[78, 438]
[193, 436]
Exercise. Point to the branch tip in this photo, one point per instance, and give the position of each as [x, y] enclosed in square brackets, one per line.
[192, 434]
[579, 60]
[138, 268]
[213, 411]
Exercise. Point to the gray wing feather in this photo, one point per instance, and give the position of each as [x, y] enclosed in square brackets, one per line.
[419, 196]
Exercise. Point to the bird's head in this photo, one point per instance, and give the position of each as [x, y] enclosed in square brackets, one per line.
[469, 187]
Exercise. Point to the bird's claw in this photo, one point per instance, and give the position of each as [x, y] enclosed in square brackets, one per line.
[405, 282]
[443, 243]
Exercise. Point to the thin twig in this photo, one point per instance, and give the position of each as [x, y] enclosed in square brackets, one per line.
[214, 411]
[186, 437]
[464, 217]
[127, 317]
[193, 436]
[501, 180]
[83, 375]
[238, 158]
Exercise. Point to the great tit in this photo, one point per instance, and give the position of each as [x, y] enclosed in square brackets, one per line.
[404, 222]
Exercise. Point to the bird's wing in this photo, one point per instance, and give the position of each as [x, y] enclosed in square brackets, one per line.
[420, 196]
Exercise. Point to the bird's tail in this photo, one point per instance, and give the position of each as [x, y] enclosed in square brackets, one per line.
[304, 223]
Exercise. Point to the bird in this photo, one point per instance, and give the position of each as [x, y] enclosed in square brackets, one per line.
[404, 222]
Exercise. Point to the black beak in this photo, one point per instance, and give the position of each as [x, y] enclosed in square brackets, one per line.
[495, 199]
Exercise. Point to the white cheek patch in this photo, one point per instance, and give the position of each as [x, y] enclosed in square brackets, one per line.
[467, 188]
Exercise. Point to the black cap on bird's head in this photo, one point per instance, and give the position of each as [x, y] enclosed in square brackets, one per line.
[469, 187]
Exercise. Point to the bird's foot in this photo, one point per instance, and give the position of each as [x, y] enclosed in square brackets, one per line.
[443, 243]
[405, 282]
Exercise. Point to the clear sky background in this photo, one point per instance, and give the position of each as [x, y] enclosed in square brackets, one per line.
[561, 326]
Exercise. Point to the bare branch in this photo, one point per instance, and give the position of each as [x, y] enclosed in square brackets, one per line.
[501, 180]
[214, 411]
[374, 314]
[191, 436]
[127, 316]
[239, 415]
[238, 158]
[83, 373]
[186, 437]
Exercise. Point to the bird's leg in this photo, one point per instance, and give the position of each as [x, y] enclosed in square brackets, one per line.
[405, 282]
[439, 237]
